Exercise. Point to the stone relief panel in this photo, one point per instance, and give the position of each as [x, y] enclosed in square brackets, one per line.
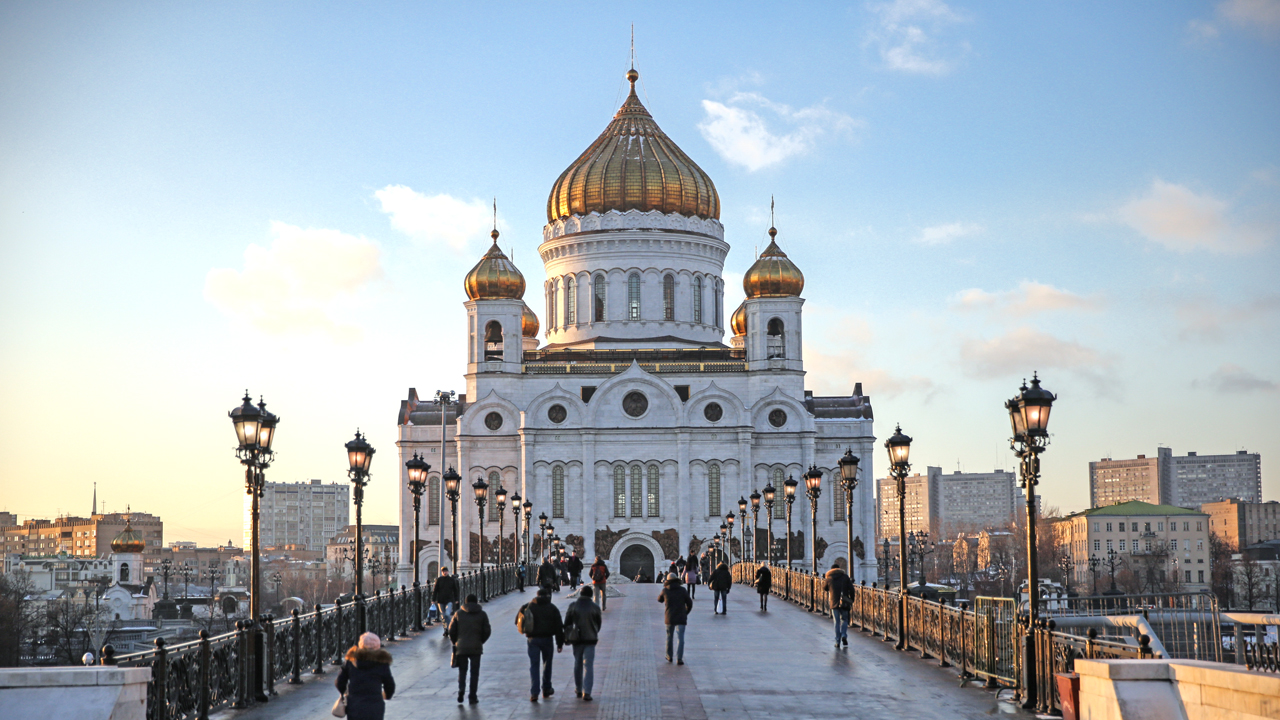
[606, 539]
[576, 543]
[859, 549]
[820, 548]
[695, 544]
[669, 541]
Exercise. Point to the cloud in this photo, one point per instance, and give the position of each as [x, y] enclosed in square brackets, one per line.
[1023, 349]
[1204, 319]
[837, 373]
[739, 132]
[299, 284]
[907, 36]
[943, 234]
[1029, 299]
[1231, 378]
[1259, 16]
[436, 219]
[1180, 220]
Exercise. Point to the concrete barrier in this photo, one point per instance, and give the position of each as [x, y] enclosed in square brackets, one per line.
[1175, 690]
[74, 693]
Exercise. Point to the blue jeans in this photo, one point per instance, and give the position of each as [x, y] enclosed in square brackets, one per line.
[601, 596]
[716, 596]
[584, 662]
[541, 649]
[677, 630]
[841, 620]
[446, 613]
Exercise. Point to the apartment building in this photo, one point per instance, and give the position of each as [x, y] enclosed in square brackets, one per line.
[1165, 546]
[1242, 523]
[300, 514]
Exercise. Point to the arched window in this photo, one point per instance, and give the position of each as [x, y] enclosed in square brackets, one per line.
[713, 490]
[570, 302]
[637, 492]
[555, 302]
[780, 502]
[495, 484]
[776, 345]
[124, 573]
[551, 306]
[697, 299]
[433, 500]
[719, 297]
[633, 296]
[600, 291]
[651, 499]
[557, 491]
[669, 298]
[837, 501]
[493, 340]
[619, 491]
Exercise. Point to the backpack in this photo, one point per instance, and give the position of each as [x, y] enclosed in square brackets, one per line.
[524, 619]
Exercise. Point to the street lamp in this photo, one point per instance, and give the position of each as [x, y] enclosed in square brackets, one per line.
[742, 528]
[769, 493]
[899, 447]
[724, 530]
[1029, 419]
[849, 481]
[813, 483]
[789, 490]
[277, 579]
[755, 524]
[542, 533]
[255, 431]
[418, 469]
[451, 481]
[500, 498]
[359, 457]
[729, 519]
[481, 489]
[528, 539]
[166, 567]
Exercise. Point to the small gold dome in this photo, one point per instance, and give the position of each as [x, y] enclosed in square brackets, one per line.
[528, 323]
[129, 541]
[633, 165]
[773, 274]
[494, 277]
[738, 320]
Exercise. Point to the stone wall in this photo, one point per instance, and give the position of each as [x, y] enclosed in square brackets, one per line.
[74, 693]
[1170, 689]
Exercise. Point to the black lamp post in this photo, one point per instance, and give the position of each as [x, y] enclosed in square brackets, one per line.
[1029, 419]
[481, 489]
[724, 529]
[769, 495]
[755, 524]
[500, 499]
[528, 538]
[742, 529]
[213, 575]
[277, 579]
[255, 431]
[359, 457]
[1113, 560]
[813, 485]
[451, 481]
[1094, 562]
[729, 519]
[542, 533]
[899, 447]
[789, 490]
[166, 567]
[418, 469]
[849, 481]
[918, 548]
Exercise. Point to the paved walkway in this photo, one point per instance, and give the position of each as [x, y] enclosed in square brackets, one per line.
[745, 664]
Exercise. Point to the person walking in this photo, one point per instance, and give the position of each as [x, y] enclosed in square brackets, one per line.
[546, 575]
[521, 569]
[691, 578]
[542, 628]
[575, 571]
[365, 680]
[840, 595]
[676, 616]
[445, 595]
[599, 574]
[582, 630]
[720, 583]
[764, 583]
[468, 632]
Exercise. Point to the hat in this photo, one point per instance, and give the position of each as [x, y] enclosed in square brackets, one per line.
[369, 641]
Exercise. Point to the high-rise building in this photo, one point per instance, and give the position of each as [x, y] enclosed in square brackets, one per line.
[1200, 479]
[1145, 479]
[1243, 523]
[972, 502]
[82, 537]
[304, 514]
[923, 502]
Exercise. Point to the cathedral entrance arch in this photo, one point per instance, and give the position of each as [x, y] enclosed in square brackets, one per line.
[637, 562]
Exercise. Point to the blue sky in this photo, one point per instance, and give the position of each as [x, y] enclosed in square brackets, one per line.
[284, 197]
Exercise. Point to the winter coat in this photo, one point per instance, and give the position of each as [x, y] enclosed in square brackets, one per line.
[469, 630]
[446, 590]
[599, 573]
[546, 575]
[586, 615]
[690, 576]
[839, 588]
[546, 620]
[764, 580]
[721, 579]
[365, 678]
[575, 566]
[678, 602]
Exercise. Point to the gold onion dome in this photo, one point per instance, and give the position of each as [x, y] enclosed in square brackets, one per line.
[495, 277]
[633, 165]
[528, 323]
[773, 274]
[738, 320]
[129, 541]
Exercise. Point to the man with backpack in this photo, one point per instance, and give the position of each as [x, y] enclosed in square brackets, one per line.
[840, 593]
[546, 575]
[575, 571]
[582, 623]
[445, 596]
[599, 574]
[541, 624]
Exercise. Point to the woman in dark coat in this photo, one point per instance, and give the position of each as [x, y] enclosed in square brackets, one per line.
[764, 583]
[366, 679]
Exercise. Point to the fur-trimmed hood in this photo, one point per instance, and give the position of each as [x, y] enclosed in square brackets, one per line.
[358, 654]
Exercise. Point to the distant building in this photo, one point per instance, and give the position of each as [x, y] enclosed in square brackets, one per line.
[303, 514]
[1166, 546]
[7, 519]
[1243, 523]
[381, 540]
[972, 502]
[1144, 479]
[996, 550]
[81, 537]
[922, 504]
[1200, 479]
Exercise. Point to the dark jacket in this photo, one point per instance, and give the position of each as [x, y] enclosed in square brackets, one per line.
[721, 579]
[546, 574]
[839, 588]
[678, 602]
[586, 615]
[764, 580]
[365, 677]
[575, 565]
[469, 630]
[599, 573]
[446, 589]
[546, 620]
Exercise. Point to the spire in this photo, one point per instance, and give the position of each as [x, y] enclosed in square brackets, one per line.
[95, 500]
[494, 234]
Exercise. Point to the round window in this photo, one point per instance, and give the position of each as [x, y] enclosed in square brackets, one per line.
[635, 403]
[493, 420]
[777, 417]
[556, 414]
[713, 412]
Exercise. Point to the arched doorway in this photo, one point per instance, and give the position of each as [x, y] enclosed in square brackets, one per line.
[637, 561]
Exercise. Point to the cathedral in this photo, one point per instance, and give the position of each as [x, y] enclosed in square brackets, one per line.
[635, 428]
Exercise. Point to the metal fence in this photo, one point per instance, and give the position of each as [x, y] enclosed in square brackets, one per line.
[1057, 652]
[1188, 625]
[193, 679]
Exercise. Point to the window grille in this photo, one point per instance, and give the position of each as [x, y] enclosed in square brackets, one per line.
[713, 490]
[619, 491]
[599, 293]
[637, 492]
[633, 296]
[570, 302]
[669, 298]
[780, 497]
[838, 501]
[652, 496]
[557, 491]
[697, 300]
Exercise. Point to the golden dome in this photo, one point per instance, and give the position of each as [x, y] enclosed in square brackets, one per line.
[773, 274]
[129, 541]
[528, 323]
[494, 277]
[633, 165]
[738, 320]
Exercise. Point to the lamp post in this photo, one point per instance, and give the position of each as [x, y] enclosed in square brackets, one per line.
[729, 519]
[755, 524]
[451, 481]
[813, 485]
[359, 457]
[724, 529]
[166, 567]
[789, 490]
[500, 500]
[277, 579]
[899, 447]
[213, 575]
[542, 534]
[255, 431]
[185, 572]
[1113, 559]
[1029, 419]
[742, 529]
[918, 548]
[481, 489]
[444, 398]
[769, 495]
[886, 562]
[1094, 562]
[528, 537]
[849, 481]
[1065, 567]
[418, 469]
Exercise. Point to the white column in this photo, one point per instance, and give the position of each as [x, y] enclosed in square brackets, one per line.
[684, 519]
[590, 500]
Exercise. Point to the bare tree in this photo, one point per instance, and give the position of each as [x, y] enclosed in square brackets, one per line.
[1250, 586]
[73, 628]
[1222, 574]
[19, 620]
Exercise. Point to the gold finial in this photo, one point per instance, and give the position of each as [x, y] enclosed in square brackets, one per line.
[632, 75]
[494, 234]
[773, 231]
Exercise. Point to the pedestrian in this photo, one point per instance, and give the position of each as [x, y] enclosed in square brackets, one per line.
[543, 629]
[564, 573]
[546, 574]
[521, 569]
[691, 578]
[720, 583]
[840, 594]
[676, 616]
[365, 679]
[445, 595]
[764, 583]
[679, 565]
[599, 574]
[468, 632]
[575, 571]
[582, 630]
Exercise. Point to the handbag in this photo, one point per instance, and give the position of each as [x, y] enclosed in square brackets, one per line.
[572, 634]
[340, 706]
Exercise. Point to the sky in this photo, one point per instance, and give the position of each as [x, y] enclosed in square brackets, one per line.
[196, 199]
